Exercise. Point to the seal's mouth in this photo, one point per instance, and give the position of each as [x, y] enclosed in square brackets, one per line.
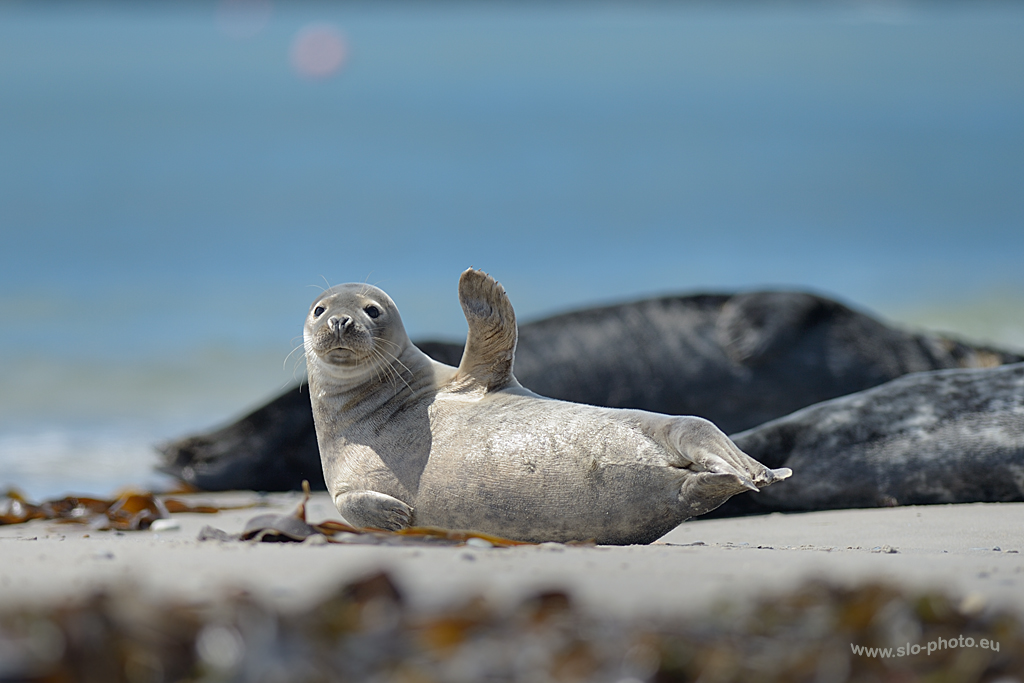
[341, 355]
[350, 347]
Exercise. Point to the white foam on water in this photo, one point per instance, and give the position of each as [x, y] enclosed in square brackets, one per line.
[53, 461]
[92, 426]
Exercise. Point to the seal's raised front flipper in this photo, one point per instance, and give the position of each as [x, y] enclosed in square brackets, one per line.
[490, 347]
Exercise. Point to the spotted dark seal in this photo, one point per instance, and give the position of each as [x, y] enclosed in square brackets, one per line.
[946, 436]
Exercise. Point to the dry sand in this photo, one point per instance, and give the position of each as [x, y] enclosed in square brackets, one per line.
[973, 551]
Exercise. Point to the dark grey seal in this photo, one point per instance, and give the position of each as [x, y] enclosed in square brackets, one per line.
[737, 360]
[947, 436]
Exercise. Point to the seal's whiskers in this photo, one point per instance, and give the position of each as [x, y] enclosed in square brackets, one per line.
[393, 374]
[299, 359]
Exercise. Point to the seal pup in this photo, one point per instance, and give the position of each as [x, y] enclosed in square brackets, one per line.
[946, 436]
[406, 440]
[738, 360]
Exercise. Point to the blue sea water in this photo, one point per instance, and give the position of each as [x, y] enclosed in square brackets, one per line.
[173, 193]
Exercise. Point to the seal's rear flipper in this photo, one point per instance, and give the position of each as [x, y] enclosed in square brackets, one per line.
[772, 476]
[491, 344]
[702, 492]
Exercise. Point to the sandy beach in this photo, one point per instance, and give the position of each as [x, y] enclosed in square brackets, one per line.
[972, 551]
[773, 598]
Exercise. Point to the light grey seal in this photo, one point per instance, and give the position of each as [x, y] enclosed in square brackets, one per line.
[405, 440]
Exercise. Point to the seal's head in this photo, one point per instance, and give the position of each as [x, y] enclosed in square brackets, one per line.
[351, 331]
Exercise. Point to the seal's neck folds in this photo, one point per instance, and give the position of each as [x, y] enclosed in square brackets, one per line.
[344, 399]
[379, 368]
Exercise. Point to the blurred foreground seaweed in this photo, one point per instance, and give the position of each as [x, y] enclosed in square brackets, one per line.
[367, 632]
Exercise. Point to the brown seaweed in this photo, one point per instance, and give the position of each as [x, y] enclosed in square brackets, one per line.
[137, 510]
[129, 511]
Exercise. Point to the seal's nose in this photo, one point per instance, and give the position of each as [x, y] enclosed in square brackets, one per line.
[339, 322]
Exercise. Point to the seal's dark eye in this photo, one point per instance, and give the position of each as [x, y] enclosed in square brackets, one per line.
[318, 311]
[372, 311]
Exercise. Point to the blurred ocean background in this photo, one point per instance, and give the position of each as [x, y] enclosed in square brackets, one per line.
[179, 180]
